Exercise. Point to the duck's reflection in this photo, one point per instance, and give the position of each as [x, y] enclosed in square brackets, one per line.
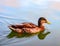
[41, 35]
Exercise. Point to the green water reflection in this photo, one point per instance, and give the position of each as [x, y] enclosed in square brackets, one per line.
[41, 35]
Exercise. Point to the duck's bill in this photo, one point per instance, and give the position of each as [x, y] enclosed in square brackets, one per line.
[48, 23]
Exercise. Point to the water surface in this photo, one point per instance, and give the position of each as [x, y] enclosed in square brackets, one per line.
[31, 13]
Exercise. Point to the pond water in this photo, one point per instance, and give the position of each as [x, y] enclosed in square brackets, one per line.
[10, 15]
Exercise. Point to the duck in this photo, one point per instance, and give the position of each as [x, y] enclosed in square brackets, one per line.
[29, 27]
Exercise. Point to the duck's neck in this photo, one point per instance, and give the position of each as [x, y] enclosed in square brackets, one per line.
[40, 25]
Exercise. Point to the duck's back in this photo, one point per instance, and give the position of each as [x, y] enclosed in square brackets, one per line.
[30, 25]
[24, 25]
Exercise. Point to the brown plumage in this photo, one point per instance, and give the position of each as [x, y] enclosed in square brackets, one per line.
[29, 27]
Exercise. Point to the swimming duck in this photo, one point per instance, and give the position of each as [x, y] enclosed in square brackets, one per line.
[29, 27]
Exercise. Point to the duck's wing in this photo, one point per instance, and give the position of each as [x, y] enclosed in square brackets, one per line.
[24, 25]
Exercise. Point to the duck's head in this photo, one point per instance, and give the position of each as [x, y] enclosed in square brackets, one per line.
[42, 20]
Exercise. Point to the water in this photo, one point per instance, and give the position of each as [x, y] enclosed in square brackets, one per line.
[31, 13]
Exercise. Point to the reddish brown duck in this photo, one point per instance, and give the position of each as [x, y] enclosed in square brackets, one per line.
[29, 27]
